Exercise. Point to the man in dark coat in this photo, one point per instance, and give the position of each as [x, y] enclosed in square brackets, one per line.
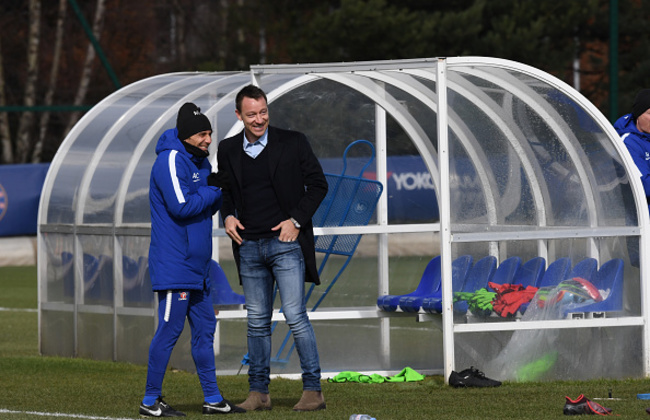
[275, 186]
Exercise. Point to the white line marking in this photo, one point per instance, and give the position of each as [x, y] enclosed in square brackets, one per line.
[74, 416]
[18, 310]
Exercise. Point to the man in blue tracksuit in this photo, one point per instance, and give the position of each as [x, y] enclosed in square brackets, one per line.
[634, 129]
[183, 196]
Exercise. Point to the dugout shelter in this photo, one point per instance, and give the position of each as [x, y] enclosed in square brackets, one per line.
[501, 160]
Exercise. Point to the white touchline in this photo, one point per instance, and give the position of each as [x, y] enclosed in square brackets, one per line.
[18, 309]
[72, 416]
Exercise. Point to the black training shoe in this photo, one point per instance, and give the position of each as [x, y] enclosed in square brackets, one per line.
[583, 405]
[159, 409]
[224, 407]
[471, 377]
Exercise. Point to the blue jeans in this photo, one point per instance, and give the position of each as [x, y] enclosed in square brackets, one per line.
[262, 262]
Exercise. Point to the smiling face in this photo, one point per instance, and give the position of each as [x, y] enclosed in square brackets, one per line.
[202, 140]
[643, 122]
[254, 113]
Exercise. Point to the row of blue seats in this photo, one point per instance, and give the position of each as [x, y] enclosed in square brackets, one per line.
[98, 281]
[468, 277]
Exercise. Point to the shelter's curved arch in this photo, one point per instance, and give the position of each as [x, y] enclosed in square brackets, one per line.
[114, 130]
[157, 126]
[72, 137]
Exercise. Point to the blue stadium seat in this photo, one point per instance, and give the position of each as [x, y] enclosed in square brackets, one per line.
[460, 266]
[477, 278]
[460, 269]
[146, 295]
[429, 283]
[584, 269]
[506, 271]
[91, 275]
[130, 286]
[608, 279]
[557, 271]
[136, 282]
[530, 272]
[222, 293]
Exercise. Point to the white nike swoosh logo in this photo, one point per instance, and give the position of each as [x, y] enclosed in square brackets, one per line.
[155, 413]
[222, 409]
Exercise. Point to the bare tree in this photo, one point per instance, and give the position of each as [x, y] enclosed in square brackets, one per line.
[98, 24]
[5, 135]
[178, 26]
[26, 122]
[54, 73]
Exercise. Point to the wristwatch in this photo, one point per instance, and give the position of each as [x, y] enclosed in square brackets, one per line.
[295, 223]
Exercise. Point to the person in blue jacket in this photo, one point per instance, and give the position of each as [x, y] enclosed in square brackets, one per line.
[183, 196]
[634, 129]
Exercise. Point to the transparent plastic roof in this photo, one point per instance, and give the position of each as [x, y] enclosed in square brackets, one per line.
[536, 154]
[514, 159]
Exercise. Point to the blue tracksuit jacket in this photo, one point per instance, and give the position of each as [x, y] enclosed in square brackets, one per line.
[638, 144]
[182, 205]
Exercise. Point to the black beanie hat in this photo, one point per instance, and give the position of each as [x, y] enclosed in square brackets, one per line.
[190, 121]
[641, 103]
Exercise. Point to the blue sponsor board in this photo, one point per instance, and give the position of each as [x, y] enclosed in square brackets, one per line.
[410, 189]
[411, 194]
[20, 192]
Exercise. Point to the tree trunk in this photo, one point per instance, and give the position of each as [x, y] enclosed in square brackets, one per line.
[54, 72]
[88, 65]
[179, 22]
[5, 135]
[25, 126]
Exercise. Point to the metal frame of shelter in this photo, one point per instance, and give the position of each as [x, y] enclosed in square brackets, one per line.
[79, 202]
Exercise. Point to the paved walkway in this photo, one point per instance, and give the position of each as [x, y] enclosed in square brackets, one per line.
[17, 250]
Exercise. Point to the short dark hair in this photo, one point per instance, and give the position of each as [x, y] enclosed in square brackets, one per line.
[250, 91]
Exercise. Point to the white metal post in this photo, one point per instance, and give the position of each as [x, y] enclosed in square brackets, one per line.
[445, 220]
[382, 220]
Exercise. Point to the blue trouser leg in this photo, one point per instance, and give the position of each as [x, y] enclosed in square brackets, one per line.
[170, 327]
[196, 306]
[203, 323]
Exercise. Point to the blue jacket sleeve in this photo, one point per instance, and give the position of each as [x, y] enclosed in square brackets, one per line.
[185, 195]
[641, 157]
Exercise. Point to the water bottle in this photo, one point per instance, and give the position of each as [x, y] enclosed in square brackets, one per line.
[361, 417]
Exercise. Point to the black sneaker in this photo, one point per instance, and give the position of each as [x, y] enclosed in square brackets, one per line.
[583, 405]
[159, 409]
[471, 377]
[224, 407]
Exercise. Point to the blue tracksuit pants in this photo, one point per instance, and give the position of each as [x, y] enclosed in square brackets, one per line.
[174, 306]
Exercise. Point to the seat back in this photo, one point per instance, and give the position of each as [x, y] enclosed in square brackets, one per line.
[530, 272]
[459, 269]
[480, 274]
[220, 290]
[505, 272]
[430, 280]
[350, 201]
[557, 271]
[610, 278]
[130, 271]
[584, 269]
